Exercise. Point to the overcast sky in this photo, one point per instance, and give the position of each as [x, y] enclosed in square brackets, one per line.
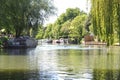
[62, 5]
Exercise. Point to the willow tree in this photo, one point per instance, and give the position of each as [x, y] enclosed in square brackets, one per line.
[106, 18]
[24, 15]
[117, 16]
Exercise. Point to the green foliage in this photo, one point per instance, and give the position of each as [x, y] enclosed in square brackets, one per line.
[56, 31]
[66, 20]
[40, 33]
[3, 40]
[21, 16]
[70, 14]
[65, 29]
[88, 24]
[105, 19]
[106, 74]
[77, 29]
[48, 31]
[68, 25]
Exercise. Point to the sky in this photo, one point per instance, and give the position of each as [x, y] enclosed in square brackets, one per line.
[62, 5]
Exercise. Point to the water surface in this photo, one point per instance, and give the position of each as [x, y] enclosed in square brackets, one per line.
[60, 62]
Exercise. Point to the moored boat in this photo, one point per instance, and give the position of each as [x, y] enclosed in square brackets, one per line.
[21, 42]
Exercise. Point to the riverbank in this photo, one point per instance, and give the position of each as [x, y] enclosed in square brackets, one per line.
[95, 43]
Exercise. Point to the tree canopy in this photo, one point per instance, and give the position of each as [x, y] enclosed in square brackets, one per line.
[68, 25]
[106, 20]
[21, 16]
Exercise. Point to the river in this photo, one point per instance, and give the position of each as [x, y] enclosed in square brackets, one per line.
[61, 62]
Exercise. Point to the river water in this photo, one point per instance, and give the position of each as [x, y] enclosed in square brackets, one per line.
[60, 62]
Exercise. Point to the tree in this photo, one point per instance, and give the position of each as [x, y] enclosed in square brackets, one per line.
[64, 21]
[61, 27]
[48, 31]
[105, 18]
[70, 14]
[24, 15]
[65, 29]
[77, 29]
[40, 33]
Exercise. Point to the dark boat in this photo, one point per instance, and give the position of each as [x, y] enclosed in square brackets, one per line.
[22, 42]
[49, 41]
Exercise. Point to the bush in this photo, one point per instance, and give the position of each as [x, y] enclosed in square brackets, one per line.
[3, 40]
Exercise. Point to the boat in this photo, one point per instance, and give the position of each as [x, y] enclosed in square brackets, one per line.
[21, 42]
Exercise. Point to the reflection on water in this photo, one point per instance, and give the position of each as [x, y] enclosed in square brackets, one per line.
[106, 74]
[60, 62]
[19, 75]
